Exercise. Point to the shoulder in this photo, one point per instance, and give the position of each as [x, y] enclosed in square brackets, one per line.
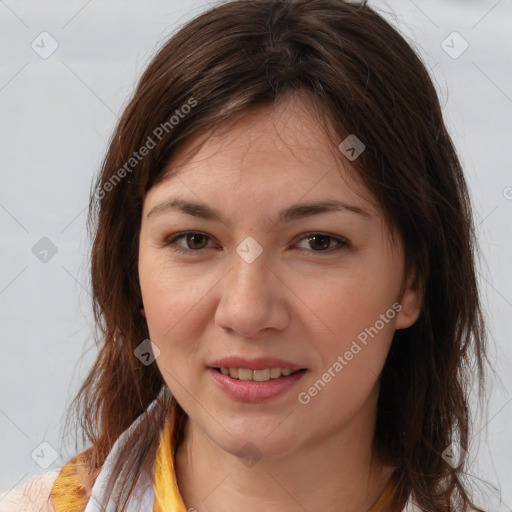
[33, 495]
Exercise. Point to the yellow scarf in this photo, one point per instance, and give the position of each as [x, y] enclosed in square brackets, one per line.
[69, 492]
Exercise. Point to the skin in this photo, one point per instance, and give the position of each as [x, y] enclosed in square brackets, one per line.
[293, 302]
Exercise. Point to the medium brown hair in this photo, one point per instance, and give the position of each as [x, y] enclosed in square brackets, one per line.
[365, 79]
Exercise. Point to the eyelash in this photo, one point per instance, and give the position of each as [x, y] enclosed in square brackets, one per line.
[171, 242]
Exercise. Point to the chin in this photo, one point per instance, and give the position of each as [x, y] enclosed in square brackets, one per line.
[255, 444]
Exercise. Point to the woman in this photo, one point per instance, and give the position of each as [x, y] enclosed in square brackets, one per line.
[313, 350]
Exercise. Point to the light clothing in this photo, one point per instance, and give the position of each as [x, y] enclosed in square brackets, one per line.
[34, 495]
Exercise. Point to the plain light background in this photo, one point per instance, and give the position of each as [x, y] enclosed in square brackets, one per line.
[57, 114]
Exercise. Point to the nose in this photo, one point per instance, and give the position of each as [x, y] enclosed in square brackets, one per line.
[253, 298]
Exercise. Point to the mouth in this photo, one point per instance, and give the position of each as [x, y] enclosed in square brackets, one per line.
[262, 375]
[256, 385]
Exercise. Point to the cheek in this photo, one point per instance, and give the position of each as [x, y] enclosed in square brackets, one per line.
[357, 325]
[352, 342]
[169, 293]
[349, 303]
[166, 298]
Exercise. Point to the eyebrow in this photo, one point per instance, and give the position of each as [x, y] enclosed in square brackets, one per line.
[294, 212]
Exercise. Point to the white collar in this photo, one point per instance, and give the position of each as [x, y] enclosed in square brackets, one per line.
[142, 498]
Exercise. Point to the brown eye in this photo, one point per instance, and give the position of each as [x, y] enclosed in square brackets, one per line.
[320, 242]
[194, 242]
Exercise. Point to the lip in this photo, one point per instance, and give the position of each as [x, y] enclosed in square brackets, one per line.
[259, 363]
[252, 391]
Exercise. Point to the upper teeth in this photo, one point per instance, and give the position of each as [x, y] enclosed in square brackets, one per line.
[257, 375]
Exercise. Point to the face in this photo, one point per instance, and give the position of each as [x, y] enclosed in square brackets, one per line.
[251, 279]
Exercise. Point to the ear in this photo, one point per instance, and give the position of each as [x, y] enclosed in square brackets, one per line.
[411, 302]
[142, 312]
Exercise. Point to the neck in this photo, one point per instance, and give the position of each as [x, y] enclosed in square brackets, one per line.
[338, 473]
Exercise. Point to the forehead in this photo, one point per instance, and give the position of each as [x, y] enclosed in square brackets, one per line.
[273, 152]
